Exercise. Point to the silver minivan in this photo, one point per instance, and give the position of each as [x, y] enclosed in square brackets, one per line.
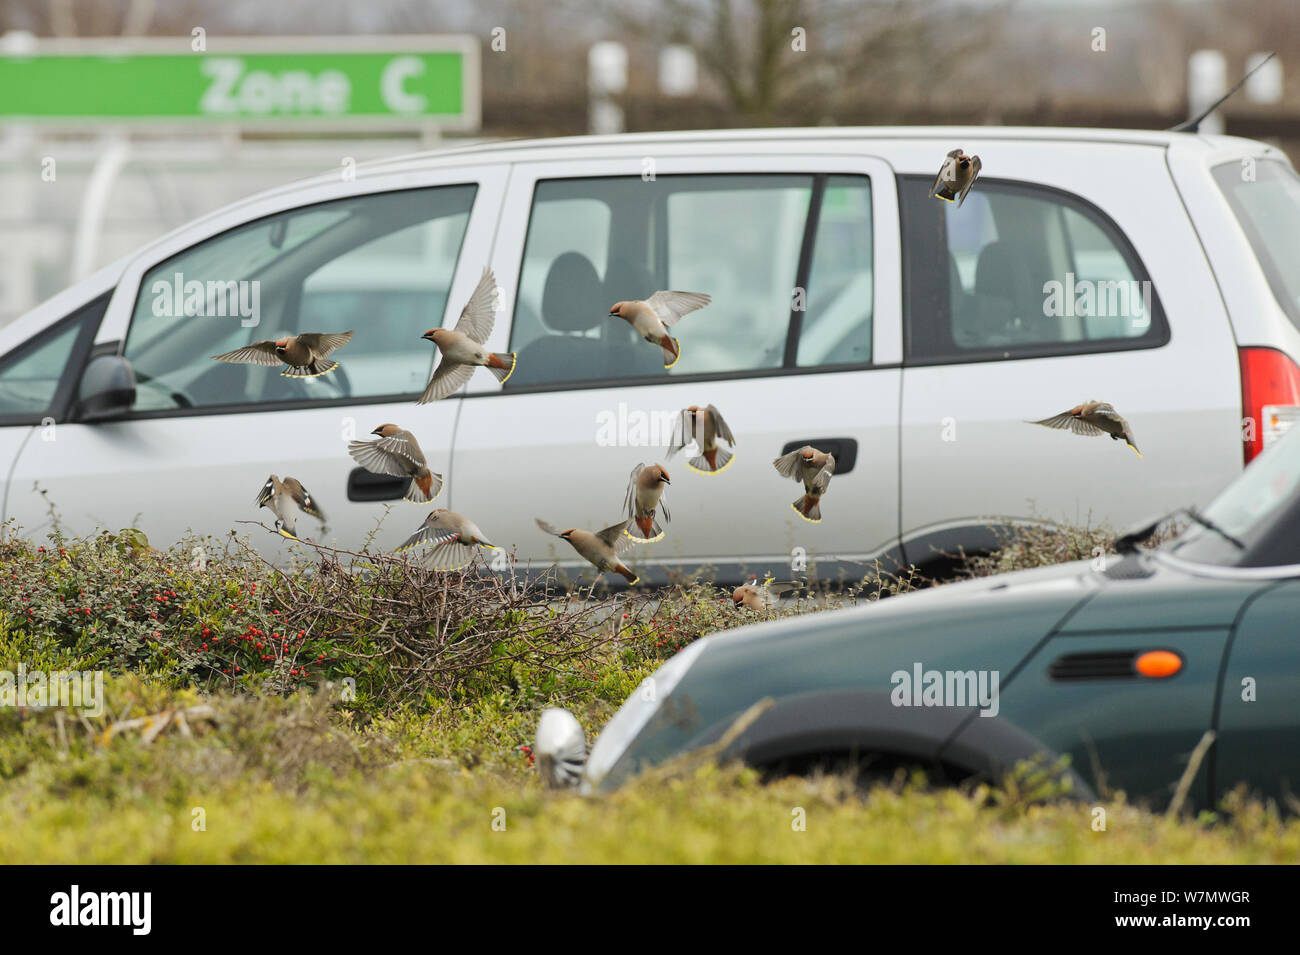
[851, 310]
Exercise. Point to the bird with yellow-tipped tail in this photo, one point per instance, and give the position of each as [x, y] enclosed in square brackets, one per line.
[601, 549]
[813, 469]
[652, 318]
[1092, 418]
[704, 426]
[453, 537]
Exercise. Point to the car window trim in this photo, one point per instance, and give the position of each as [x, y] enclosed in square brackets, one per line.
[804, 268]
[1157, 336]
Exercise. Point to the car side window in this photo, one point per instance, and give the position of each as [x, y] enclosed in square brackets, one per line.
[835, 326]
[738, 238]
[1017, 271]
[379, 265]
[39, 376]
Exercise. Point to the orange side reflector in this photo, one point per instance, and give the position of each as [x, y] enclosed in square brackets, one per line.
[1159, 663]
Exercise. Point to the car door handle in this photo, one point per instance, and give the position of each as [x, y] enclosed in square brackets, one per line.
[365, 485]
[845, 451]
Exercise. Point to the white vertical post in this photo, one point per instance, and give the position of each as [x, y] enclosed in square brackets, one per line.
[606, 77]
[1207, 80]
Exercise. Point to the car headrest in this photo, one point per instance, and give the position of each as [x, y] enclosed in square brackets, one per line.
[573, 299]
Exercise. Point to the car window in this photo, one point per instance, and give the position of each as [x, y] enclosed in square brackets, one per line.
[38, 372]
[1019, 270]
[1265, 197]
[379, 265]
[835, 326]
[1260, 509]
[594, 242]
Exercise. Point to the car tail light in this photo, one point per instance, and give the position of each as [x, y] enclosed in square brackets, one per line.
[1270, 397]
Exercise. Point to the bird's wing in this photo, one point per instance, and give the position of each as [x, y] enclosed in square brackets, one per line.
[671, 306]
[547, 527]
[947, 173]
[1107, 410]
[1068, 422]
[829, 466]
[258, 353]
[267, 492]
[720, 427]
[821, 480]
[480, 313]
[975, 166]
[434, 530]
[304, 499]
[322, 344]
[613, 535]
[682, 433]
[371, 456]
[629, 502]
[402, 445]
[788, 464]
[447, 378]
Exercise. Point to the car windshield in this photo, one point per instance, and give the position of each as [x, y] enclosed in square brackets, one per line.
[1261, 509]
[1265, 198]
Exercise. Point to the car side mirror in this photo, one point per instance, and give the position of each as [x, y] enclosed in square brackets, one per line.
[560, 748]
[106, 390]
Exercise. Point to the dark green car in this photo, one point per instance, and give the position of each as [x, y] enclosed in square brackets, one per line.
[1124, 669]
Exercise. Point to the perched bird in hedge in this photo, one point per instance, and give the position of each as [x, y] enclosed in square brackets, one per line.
[455, 539]
[760, 597]
[956, 176]
[652, 318]
[462, 347]
[1092, 418]
[814, 469]
[306, 354]
[396, 452]
[705, 426]
[645, 488]
[285, 499]
[601, 549]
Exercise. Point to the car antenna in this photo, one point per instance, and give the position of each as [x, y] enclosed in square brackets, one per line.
[1192, 125]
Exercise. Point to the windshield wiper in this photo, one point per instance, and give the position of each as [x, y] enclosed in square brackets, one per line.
[1128, 543]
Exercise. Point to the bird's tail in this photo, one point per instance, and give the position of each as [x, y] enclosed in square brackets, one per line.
[672, 350]
[650, 530]
[627, 572]
[424, 488]
[318, 367]
[711, 462]
[502, 365]
[289, 534]
[808, 507]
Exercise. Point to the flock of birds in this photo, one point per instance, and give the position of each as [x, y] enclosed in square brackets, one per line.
[452, 539]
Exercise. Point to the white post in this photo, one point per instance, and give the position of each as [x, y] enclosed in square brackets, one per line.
[1207, 80]
[606, 77]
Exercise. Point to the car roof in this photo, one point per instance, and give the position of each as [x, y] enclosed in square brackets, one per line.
[594, 147]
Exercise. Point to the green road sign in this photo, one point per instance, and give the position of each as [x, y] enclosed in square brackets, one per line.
[285, 82]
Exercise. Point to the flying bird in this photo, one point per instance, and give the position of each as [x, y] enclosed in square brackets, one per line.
[601, 549]
[645, 488]
[652, 318]
[1092, 418]
[955, 178]
[306, 355]
[462, 347]
[396, 452]
[814, 469]
[455, 539]
[705, 426]
[760, 597]
[285, 499]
